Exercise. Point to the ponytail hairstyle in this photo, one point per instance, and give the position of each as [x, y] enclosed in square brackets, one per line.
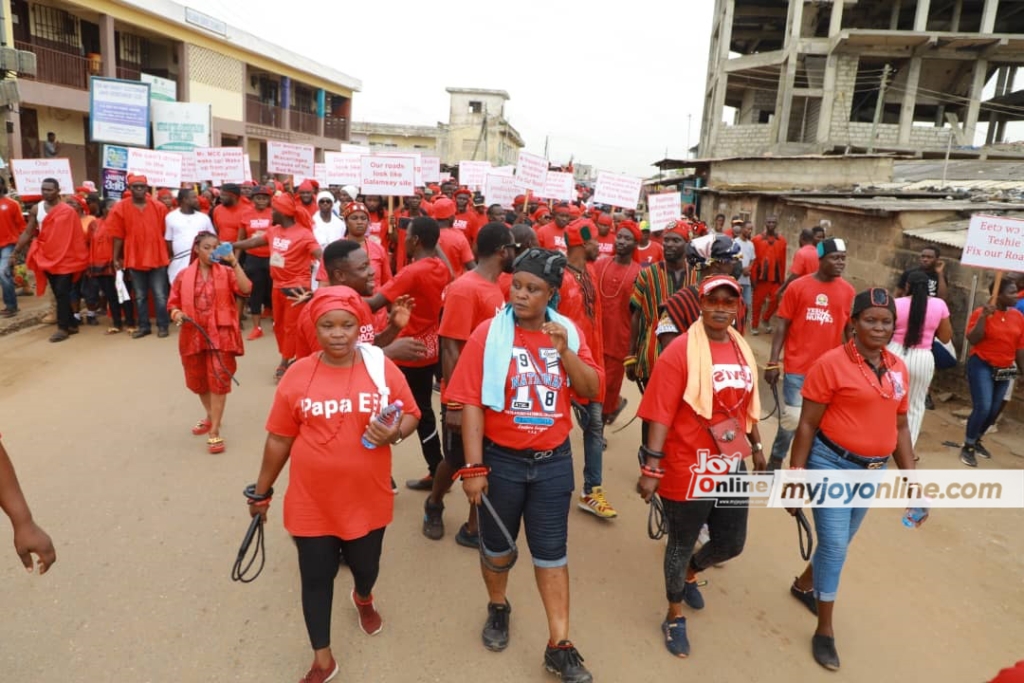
[917, 287]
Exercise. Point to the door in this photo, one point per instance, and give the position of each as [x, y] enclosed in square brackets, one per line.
[29, 133]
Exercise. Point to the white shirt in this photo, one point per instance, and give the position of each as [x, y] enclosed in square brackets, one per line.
[180, 230]
[746, 257]
[328, 231]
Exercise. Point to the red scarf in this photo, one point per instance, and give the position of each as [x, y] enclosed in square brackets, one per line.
[224, 309]
[59, 248]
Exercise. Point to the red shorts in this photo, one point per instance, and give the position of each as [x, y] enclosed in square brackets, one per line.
[204, 374]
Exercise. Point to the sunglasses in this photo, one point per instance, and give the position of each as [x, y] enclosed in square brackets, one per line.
[879, 297]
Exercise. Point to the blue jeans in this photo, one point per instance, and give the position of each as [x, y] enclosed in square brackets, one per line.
[792, 401]
[591, 422]
[748, 295]
[10, 293]
[155, 281]
[986, 397]
[835, 527]
[537, 492]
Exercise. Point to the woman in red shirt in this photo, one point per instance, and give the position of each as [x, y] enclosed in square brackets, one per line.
[703, 383]
[997, 335]
[205, 293]
[357, 222]
[377, 231]
[854, 417]
[339, 498]
[513, 380]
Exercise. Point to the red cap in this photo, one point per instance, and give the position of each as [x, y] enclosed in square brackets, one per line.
[137, 180]
[575, 211]
[466, 191]
[579, 232]
[520, 199]
[541, 211]
[604, 219]
[716, 281]
[305, 186]
[444, 209]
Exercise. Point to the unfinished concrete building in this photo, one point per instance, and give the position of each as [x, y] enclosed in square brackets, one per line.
[820, 76]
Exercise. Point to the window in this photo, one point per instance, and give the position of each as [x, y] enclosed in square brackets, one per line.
[55, 26]
[476, 107]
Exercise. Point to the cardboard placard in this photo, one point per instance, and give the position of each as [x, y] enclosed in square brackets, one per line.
[162, 169]
[247, 167]
[473, 174]
[388, 176]
[431, 169]
[561, 186]
[664, 209]
[500, 189]
[289, 159]
[995, 242]
[343, 168]
[30, 173]
[618, 190]
[531, 171]
[189, 170]
[221, 164]
[418, 178]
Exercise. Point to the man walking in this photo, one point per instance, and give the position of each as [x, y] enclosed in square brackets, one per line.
[615, 279]
[12, 225]
[181, 227]
[767, 273]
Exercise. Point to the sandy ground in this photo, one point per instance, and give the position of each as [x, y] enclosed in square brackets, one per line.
[147, 524]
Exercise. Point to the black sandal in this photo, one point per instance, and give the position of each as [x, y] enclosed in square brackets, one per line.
[805, 596]
[824, 650]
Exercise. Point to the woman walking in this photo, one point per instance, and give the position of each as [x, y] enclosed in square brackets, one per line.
[513, 380]
[920, 319]
[703, 386]
[339, 498]
[996, 332]
[854, 417]
[204, 293]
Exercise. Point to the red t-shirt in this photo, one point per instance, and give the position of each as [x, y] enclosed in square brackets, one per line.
[425, 280]
[468, 224]
[142, 233]
[606, 245]
[652, 253]
[291, 255]
[306, 342]
[228, 219]
[1004, 336]
[805, 261]
[817, 313]
[456, 247]
[857, 417]
[468, 301]
[378, 229]
[336, 487]
[537, 413]
[12, 222]
[732, 381]
[256, 223]
[572, 304]
[614, 284]
[552, 237]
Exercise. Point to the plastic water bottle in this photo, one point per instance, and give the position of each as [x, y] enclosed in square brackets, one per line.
[914, 516]
[388, 417]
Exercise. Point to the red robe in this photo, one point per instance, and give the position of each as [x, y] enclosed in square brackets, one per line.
[60, 247]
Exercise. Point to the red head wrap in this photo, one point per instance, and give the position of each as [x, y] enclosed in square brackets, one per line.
[354, 207]
[562, 208]
[540, 213]
[164, 192]
[284, 204]
[681, 228]
[137, 179]
[204, 204]
[604, 219]
[575, 211]
[464, 190]
[305, 186]
[579, 232]
[520, 199]
[81, 202]
[633, 228]
[342, 298]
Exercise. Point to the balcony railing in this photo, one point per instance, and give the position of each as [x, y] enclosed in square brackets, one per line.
[303, 122]
[335, 128]
[58, 68]
[128, 74]
[263, 114]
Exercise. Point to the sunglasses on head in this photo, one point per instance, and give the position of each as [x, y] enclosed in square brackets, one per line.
[879, 297]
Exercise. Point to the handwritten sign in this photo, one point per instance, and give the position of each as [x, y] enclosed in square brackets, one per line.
[531, 171]
[388, 176]
[664, 209]
[617, 190]
[30, 173]
[995, 242]
[503, 170]
[343, 168]
[221, 164]
[162, 169]
[431, 169]
[289, 159]
[189, 170]
[500, 189]
[559, 186]
[247, 167]
[473, 174]
[418, 169]
[319, 175]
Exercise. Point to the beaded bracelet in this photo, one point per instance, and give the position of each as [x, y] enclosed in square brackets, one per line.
[471, 471]
[648, 453]
[250, 493]
[652, 472]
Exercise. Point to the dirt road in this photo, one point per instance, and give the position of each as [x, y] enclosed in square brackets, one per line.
[147, 524]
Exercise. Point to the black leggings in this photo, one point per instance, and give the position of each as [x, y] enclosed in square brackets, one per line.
[421, 383]
[257, 269]
[727, 527]
[319, 559]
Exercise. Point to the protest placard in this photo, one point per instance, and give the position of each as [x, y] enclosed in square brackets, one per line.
[664, 209]
[319, 175]
[500, 189]
[431, 169]
[617, 190]
[995, 242]
[531, 171]
[388, 176]
[418, 169]
[503, 170]
[343, 168]
[559, 186]
[30, 173]
[162, 169]
[289, 159]
[445, 176]
[221, 164]
[189, 170]
[473, 174]
[247, 167]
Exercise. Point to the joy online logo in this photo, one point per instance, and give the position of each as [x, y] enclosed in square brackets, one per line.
[716, 464]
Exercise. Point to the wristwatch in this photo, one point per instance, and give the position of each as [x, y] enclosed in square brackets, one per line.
[399, 440]
[757, 447]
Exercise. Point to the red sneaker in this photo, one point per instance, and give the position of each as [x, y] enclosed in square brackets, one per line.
[318, 675]
[369, 618]
[256, 333]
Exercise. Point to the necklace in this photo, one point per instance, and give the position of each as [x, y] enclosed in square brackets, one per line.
[347, 395]
[883, 370]
[600, 281]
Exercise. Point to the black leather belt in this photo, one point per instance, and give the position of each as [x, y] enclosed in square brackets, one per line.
[869, 463]
[528, 453]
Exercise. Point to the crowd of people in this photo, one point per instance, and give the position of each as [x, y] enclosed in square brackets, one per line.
[522, 319]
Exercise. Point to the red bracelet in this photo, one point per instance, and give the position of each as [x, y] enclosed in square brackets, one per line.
[652, 472]
[470, 471]
[260, 503]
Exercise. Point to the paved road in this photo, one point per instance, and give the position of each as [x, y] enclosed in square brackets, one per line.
[147, 524]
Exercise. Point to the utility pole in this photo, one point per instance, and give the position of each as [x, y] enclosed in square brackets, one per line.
[879, 107]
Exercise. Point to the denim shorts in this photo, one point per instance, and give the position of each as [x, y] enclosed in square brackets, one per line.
[536, 492]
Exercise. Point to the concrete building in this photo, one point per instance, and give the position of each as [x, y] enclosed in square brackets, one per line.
[392, 137]
[478, 129]
[805, 76]
[258, 90]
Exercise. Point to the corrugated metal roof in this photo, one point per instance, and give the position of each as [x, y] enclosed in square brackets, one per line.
[878, 205]
[966, 185]
[913, 171]
[948, 233]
